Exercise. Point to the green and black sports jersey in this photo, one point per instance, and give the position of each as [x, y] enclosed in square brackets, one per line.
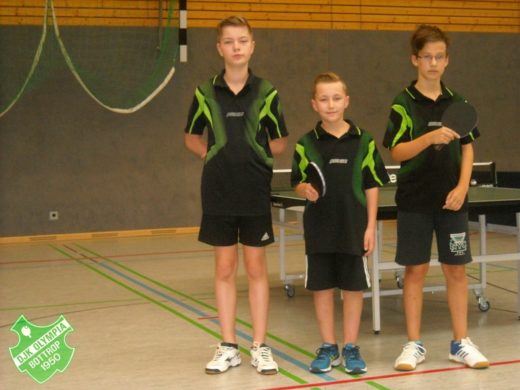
[424, 181]
[238, 166]
[336, 222]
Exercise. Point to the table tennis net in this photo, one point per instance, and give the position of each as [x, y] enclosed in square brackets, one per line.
[484, 174]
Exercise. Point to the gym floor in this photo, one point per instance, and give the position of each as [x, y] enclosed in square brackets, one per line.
[143, 313]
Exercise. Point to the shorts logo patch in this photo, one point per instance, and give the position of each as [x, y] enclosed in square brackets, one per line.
[458, 244]
[266, 236]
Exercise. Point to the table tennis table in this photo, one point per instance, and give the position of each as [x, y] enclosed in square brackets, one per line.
[482, 201]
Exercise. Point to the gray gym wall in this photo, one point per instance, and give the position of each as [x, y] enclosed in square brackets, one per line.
[59, 150]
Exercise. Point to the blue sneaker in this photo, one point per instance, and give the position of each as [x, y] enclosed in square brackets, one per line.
[354, 363]
[465, 352]
[327, 356]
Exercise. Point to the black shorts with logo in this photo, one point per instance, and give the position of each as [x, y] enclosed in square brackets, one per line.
[415, 235]
[222, 230]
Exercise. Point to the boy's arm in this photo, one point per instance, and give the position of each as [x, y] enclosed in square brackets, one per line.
[278, 145]
[456, 197]
[193, 133]
[408, 150]
[196, 144]
[372, 195]
[275, 124]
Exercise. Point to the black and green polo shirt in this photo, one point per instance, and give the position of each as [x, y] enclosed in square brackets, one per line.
[424, 181]
[336, 223]
[238, 166]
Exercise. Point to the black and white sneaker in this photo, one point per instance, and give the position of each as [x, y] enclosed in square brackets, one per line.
[226, 356]
[262, 359]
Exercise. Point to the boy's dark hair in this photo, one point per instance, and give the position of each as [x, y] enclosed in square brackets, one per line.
[328, 77]
[237, 21]
[426, 33]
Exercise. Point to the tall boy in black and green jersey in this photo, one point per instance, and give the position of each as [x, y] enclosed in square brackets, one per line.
[238, 164]
[339, 228]
[245, 129]
[425, 180]
[432, 187]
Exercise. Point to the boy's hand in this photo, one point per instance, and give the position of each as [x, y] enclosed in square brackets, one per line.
[310, 193]
[442, 136]
[307, 191]
[455, 199]
[369, 241]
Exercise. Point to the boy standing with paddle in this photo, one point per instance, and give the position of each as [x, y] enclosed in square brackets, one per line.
[339, 219]
[243, 116]
[432, 187]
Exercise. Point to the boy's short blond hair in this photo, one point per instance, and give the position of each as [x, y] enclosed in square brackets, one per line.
[426, 33]
[328, 77]
[233, 21]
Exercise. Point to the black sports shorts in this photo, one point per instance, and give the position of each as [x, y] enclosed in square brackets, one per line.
[336, 270]
[222, 230]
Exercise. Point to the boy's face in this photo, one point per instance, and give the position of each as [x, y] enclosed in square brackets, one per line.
[330, 101]
[235, 45]
[431, 61]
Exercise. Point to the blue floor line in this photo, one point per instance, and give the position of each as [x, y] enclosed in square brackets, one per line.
[200, 313]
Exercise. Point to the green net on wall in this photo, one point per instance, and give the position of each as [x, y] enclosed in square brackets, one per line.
[21, 48]
[122, 68]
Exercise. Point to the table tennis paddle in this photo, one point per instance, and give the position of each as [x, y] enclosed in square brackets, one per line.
[461, 117]
[316, 178]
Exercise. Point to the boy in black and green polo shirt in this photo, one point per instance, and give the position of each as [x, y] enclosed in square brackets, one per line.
[432, 187]
[245, 129]
[339, 228]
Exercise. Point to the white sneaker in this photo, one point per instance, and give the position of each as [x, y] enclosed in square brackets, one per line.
[262, 359]
[468, 354]
[412, 355]
[225, 357]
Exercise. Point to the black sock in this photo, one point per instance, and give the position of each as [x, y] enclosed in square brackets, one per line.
[224, 344]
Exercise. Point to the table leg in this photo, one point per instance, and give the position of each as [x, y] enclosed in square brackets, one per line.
[518, 263]
[483, 250]
[376, 257]
[281, 239]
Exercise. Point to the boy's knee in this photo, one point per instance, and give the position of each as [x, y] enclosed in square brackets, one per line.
[225, 272]
[417, 272]
[257, 272]
[455, 273]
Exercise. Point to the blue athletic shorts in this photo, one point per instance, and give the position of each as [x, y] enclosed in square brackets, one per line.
[415, 236]
[221, 230]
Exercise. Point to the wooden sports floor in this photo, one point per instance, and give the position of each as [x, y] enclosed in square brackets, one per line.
[143, 313]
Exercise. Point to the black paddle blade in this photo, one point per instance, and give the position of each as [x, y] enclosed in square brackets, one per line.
[461, 117]
[315, 178]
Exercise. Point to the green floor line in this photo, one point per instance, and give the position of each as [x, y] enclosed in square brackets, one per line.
[207, 306]
[142, 295]
[190, 298]
[166, 307]
[378, 386]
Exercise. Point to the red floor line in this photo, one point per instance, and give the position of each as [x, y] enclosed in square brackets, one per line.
[207, 318]
[386, 376]
[13, 262]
